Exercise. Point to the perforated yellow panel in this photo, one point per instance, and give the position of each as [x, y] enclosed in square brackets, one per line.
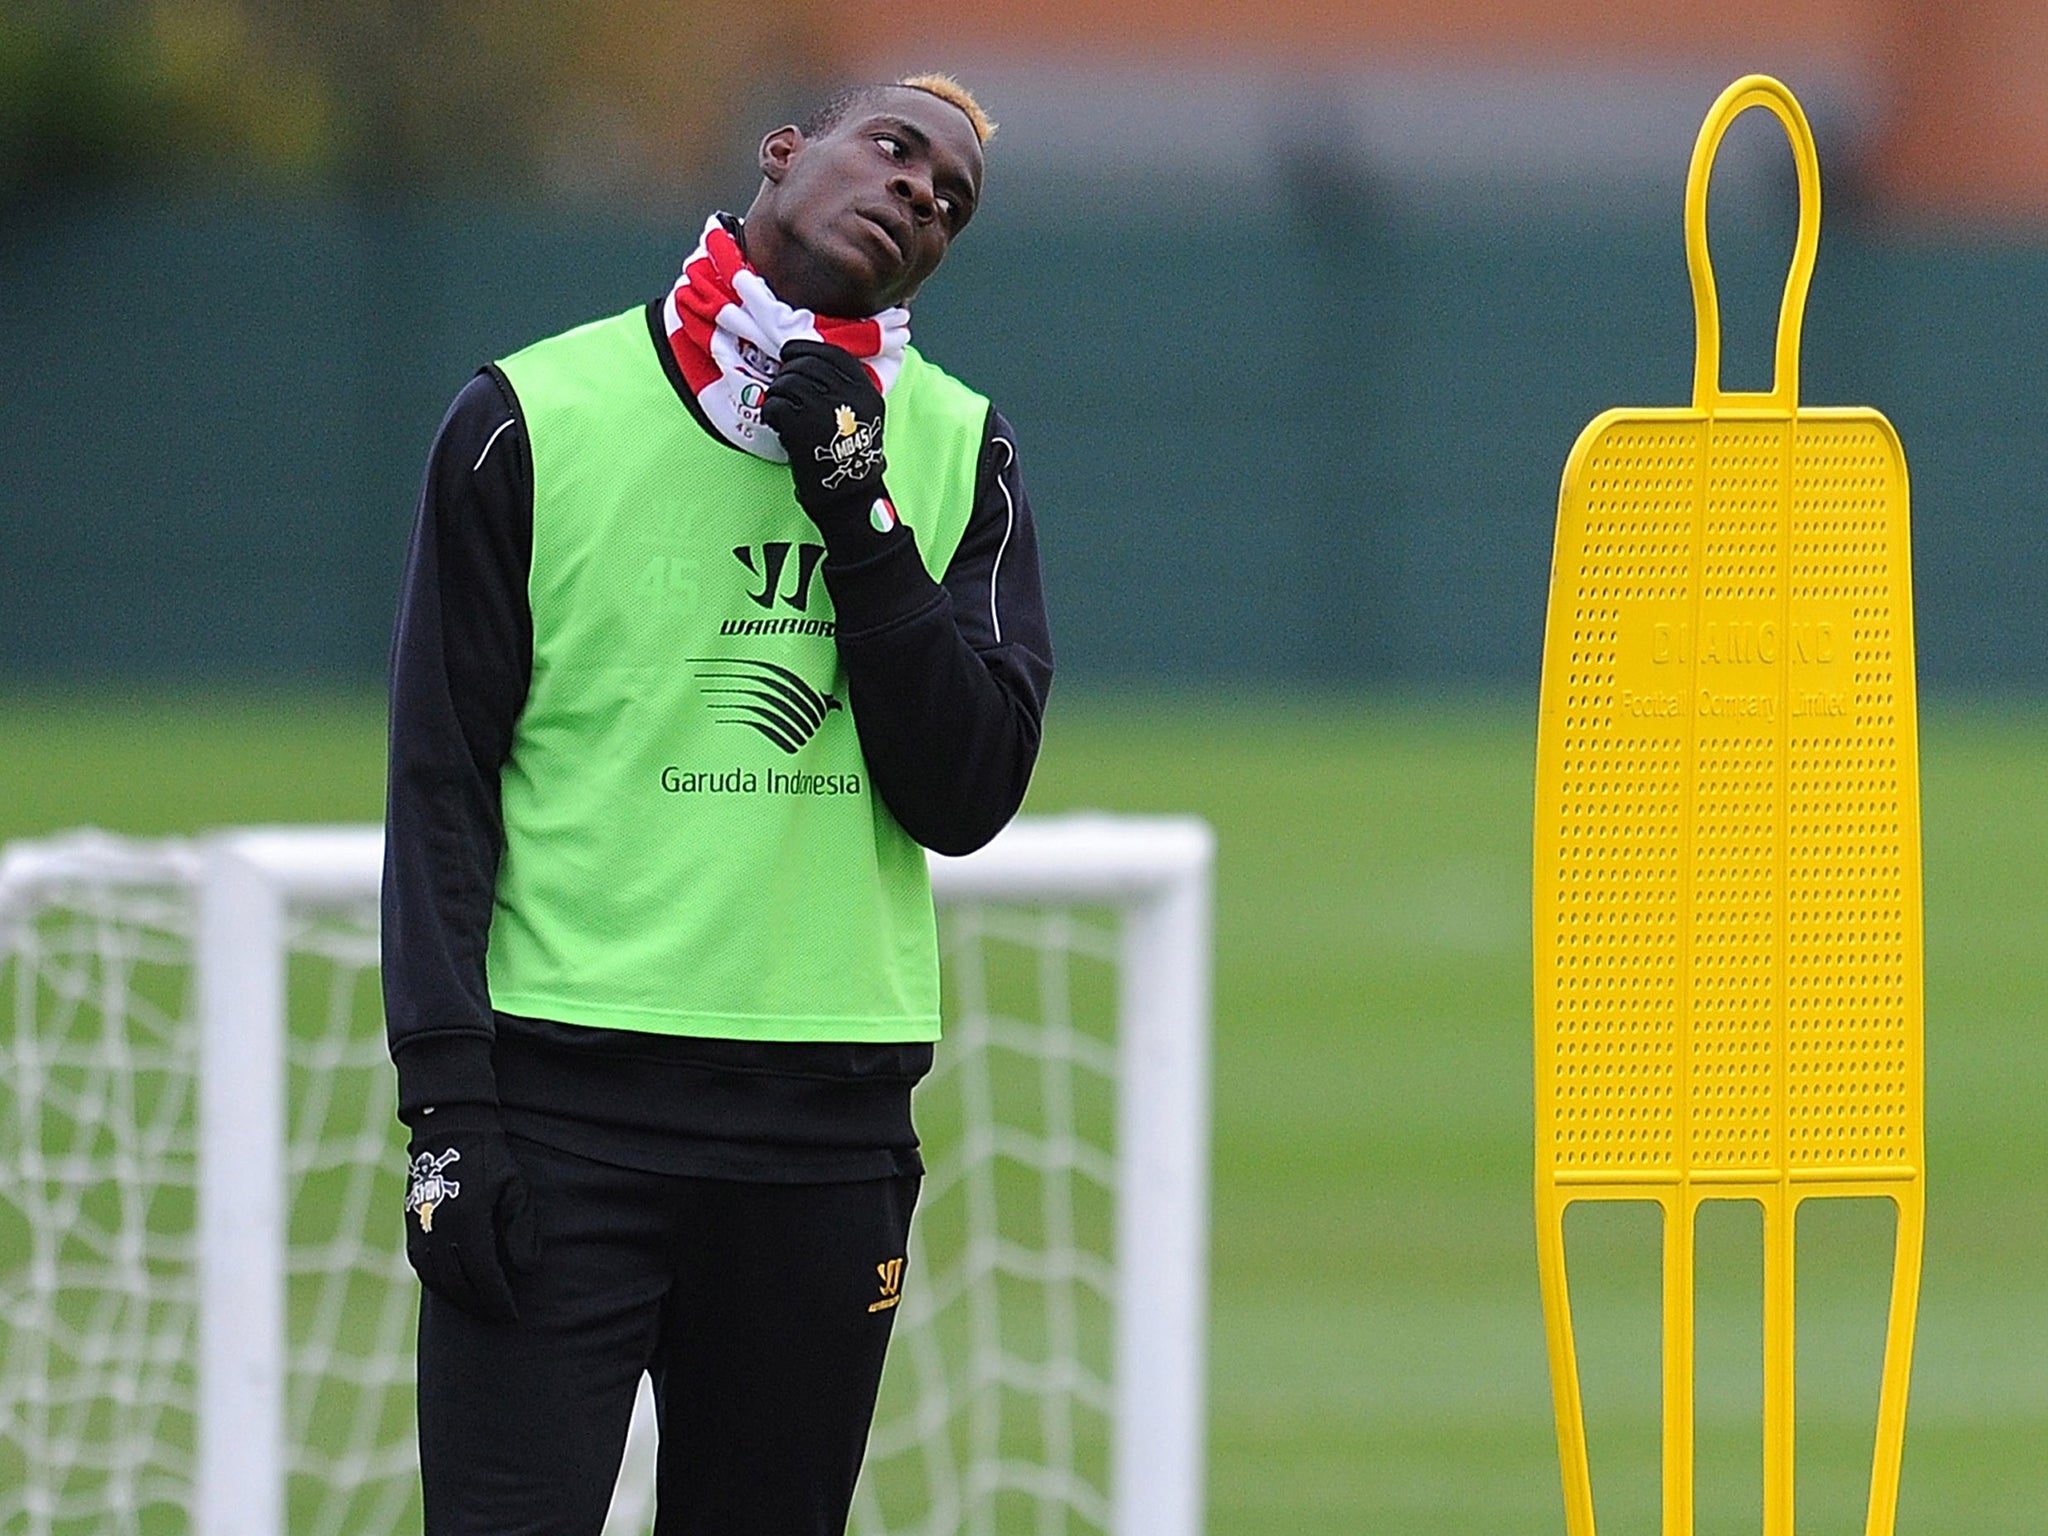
[1853, 934]
[1620, 808]
[1727, 901]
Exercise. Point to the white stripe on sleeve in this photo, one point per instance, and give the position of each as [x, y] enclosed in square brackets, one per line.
[479, 464]
[1010, 523]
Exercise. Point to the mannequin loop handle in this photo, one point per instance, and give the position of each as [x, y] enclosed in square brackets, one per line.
[1751, 91]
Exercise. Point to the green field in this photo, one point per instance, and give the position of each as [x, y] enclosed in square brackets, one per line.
[1377, 1357]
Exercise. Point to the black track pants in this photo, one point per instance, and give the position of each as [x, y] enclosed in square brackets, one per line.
[761, 1310]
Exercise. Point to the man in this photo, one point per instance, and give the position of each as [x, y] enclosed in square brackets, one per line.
[716, 616]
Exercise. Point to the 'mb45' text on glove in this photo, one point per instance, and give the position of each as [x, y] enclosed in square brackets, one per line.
[828, 413]
[468, 1217]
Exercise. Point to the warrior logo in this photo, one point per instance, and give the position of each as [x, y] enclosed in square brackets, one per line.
[890, 1272]
[765, 562]
[855, 452]
[429, 1188]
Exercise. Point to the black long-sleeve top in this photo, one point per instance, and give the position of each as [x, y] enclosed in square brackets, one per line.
[947, 680]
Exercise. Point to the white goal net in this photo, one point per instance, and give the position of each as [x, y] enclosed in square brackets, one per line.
[205, 1312]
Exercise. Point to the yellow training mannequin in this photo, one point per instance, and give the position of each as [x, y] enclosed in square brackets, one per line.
[1727, 872]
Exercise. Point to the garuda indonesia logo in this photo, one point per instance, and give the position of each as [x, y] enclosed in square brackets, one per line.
[770, 699]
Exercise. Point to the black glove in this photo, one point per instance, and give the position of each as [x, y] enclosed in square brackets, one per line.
[468, 1216]
[828, 414]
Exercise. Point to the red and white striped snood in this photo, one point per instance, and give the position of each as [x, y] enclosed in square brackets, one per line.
[727, 329]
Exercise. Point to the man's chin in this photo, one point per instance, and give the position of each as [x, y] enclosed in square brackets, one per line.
[863, 277]
[848, 279]
[857, 296]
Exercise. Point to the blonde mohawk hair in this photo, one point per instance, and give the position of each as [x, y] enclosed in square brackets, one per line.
[951, 91]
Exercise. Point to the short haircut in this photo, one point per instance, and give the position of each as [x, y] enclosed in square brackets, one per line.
[837, 109]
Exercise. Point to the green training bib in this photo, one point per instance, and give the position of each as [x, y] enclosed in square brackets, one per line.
[692, 842]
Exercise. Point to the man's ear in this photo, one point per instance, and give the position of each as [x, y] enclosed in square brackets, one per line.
[778, 149]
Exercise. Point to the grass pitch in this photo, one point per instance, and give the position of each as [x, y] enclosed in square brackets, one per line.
[1377, 1349]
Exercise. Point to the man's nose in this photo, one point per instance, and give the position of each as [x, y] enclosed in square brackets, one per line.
[916, 190]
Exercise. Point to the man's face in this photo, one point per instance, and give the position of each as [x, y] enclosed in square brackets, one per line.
[857, 218]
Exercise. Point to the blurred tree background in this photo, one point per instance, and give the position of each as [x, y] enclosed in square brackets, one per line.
[100, 91]
[581, 99]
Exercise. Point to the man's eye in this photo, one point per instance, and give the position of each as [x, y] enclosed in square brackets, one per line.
[892, 144]
[948, 207]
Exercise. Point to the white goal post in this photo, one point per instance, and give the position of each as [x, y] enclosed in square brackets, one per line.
[1110, 1148]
